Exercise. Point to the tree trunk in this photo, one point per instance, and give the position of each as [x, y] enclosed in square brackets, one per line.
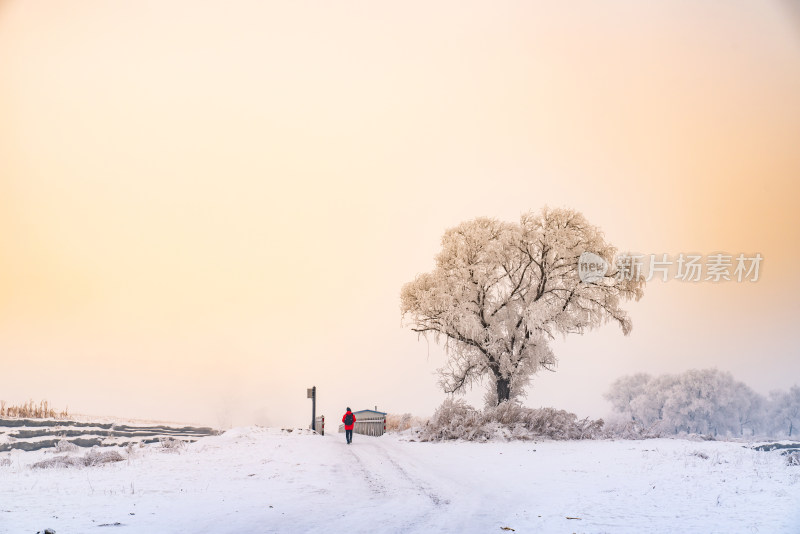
[503, 389]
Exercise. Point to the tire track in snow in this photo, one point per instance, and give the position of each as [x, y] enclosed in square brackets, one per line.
[422, 486]
[375, 485]
[388, 480]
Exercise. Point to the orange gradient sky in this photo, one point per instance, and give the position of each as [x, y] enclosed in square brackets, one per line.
[207, 207]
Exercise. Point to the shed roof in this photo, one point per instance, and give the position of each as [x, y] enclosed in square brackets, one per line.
[370, 411]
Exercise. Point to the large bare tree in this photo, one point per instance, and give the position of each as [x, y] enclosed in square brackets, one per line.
[500, 292]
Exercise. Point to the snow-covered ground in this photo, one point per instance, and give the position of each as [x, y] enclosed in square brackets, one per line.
[266, 480]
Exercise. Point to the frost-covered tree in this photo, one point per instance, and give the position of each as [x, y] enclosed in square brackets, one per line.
[747, 407]
[627, 389]
[699, 401]
[785, 409]
[650, 404]
[500, 292]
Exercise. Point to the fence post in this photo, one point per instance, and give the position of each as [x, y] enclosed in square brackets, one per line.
[319, 425]
[311, 393]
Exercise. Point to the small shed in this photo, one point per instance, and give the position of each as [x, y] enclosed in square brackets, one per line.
[369, 423]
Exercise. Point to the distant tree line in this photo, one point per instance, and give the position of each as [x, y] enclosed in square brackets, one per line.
[705, 401]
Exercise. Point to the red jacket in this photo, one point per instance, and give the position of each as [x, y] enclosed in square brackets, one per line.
[349, 427]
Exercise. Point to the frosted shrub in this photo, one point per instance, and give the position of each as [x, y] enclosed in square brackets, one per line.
[92, 458]
[793, 458]
[65, 446]
[633, 430]
[58, 461]
[171, 444]
[455, 419]
[400, 423]
[98, 457]
[531, 423]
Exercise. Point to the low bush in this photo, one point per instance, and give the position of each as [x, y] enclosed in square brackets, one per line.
[92, 458]
[65, 446]
[632, 430]
[455, 419]
[171, 444]
[401, 423]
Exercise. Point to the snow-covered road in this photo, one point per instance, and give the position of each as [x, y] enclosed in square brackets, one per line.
[265, 480]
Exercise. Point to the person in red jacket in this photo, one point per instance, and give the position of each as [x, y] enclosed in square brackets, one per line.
[349, 421]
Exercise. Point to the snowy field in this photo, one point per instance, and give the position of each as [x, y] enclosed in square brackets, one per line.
[267, 480]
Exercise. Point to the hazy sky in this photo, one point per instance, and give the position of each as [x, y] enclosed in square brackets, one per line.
[207, 207]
